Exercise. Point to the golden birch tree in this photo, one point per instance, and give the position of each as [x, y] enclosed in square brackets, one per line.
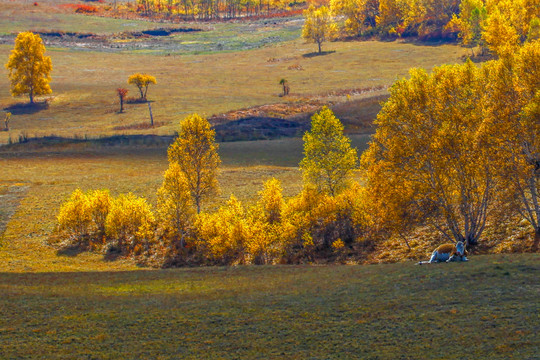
[175, 205]
[329, 159]
[513, 120]
[427, 159]
[319, 25]
[142, 82]
[195, 151]
[29, 68]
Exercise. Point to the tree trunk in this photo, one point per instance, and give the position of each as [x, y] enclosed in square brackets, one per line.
[320, 50]
[31, 96]
[121, 104]
[536, 242]
[151, 116]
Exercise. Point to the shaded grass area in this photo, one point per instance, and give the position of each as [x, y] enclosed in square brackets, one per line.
[487, 308]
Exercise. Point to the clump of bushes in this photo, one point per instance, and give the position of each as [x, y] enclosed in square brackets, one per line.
[96, 221]
[86, 9]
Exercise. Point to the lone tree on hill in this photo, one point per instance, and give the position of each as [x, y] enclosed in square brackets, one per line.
[142, 81]
[285, 84]
[29, 69]
[329, 159]
[122, 93]
[319, 25]
[195, 151]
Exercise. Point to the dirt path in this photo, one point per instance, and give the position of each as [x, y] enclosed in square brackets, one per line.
[10, 198]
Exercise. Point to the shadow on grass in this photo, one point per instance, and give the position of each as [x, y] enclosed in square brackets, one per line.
[70, 251]
[27, 108]
[314, 54]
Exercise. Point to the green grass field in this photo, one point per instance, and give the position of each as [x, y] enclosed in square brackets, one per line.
[487, 308]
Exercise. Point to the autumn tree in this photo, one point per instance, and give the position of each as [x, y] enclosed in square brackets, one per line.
[7, 117]
[329, 159]
[82, 218]
[319, 25]
[129, 224]
[142, 81]
[29, 68]
[285, 86]
[174, 205]
[195, 151]
[122, 93]
[469, 23]
[512, 113]
[360, 15]
[428, 158]
[501, 37]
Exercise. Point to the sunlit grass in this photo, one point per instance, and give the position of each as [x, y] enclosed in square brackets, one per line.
[84, 82]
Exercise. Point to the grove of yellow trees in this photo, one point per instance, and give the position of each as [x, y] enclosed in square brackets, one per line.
[457, 150]
[500, 25]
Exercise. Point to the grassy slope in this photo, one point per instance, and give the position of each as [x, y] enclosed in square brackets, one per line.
[487, 308]
[52, 15]
[84, 82]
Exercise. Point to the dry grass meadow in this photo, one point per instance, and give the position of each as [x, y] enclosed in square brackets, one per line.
[62, 305]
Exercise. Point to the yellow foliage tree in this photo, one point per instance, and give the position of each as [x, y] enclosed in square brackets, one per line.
[222, 235]
[329, 159]
[195, 151]
[428, 156]
[74, 217]
[360, 15]
[317, 220]
[130, 224]
[512, 113]
[319, 25]
[470, 22]
[29, 68]
[142, 81]
[271, 201]
[174, 206]
[83, 216]
[501, 37]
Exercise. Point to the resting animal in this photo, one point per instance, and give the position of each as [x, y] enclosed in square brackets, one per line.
[448, 253]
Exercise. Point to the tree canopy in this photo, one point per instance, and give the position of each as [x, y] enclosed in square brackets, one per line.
[329, 159]
[142, 81]
[195, 151]
[29, 68]
[319, 25]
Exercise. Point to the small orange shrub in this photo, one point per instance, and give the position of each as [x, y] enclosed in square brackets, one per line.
[86, 9]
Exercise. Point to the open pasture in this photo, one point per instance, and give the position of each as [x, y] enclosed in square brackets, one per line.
[486, 308]
[84, 100]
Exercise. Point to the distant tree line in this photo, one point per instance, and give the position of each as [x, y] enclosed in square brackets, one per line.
[486, 23]
[214, 9]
